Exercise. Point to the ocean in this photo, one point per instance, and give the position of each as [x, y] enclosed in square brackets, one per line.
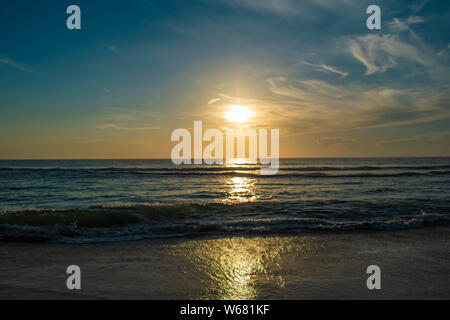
[84, 201]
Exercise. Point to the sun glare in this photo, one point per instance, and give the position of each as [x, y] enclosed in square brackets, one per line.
[238, 113]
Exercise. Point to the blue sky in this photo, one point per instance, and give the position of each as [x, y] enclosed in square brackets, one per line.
[139, 69]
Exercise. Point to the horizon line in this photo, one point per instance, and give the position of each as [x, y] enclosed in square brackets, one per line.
[281, 158]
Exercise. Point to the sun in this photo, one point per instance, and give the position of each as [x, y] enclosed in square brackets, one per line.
[237, 113]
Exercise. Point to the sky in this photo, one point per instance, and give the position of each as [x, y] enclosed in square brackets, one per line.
[139, 69]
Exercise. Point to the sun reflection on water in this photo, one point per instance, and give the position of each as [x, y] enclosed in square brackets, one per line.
[235, 162]
[240, 190]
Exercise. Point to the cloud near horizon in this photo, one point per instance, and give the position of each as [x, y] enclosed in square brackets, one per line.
[120, 128]
[318, 106]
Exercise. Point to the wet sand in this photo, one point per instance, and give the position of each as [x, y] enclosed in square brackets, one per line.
[415, 264]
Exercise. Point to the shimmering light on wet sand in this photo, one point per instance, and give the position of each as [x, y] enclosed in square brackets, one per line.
[236, 267]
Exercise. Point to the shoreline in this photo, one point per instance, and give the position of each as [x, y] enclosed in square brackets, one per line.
[415, 264]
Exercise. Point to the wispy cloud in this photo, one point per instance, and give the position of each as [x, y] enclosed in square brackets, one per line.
[315, 106]
[113, 48]
[444, 51]
[379, 53]
[291, 7]
[334, 70]
[326, 68]
[113, 126]
[426, 137]
[212, 101]
[10, 62]
[121, 114]
[334, 141]
[284, 7]
[418, 7]
[398, 25]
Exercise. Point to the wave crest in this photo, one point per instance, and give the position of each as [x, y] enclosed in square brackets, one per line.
[107, 224]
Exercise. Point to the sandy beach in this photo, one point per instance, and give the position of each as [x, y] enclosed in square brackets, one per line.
[414, 264]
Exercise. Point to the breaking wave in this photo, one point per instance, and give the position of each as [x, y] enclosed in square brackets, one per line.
[110, 224]
[307, 172]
